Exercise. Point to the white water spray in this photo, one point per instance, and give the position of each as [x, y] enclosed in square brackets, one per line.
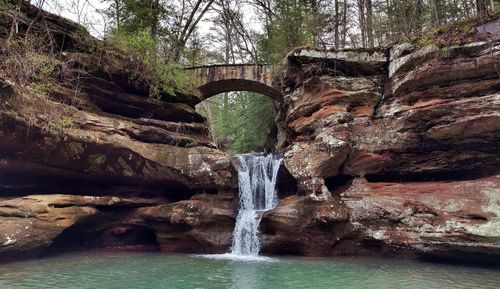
[257, 176]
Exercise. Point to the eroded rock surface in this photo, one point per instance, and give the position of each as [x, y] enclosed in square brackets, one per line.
[406, 145]
[88, 158]
[428, 216]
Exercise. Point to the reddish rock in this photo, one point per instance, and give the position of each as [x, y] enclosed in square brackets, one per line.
[428, 216]
[119, 157]
[41, 225]
[391, 153]
[428, 147]
[31, 224]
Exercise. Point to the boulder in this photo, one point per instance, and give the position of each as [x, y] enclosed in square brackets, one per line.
[300, 226]
[198, 225]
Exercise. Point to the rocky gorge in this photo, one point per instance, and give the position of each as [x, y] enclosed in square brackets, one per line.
[386, 152]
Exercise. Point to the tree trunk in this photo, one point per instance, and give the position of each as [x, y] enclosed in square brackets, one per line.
[369, 22]
[13, 30]
[117, 14]
[437, 12]
[337, 24]
[189, 27]
[344, 24]
[480, 7]
[207, 107]
[390, 21]
[466, 8]
[362, 25]
[154, 14]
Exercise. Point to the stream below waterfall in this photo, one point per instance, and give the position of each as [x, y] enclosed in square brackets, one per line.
[161, 271]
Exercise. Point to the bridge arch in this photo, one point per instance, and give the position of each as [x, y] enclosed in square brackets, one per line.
[215, 79]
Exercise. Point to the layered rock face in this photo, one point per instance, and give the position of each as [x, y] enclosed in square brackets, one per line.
[88, 158]
[385, 152]
[394, 150]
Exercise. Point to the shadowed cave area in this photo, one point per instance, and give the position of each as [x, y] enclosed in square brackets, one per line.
[88, 236]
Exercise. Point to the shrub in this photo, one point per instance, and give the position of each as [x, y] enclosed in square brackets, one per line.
[28, 63]
[160, 76]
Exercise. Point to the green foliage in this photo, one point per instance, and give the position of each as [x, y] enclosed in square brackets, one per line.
[27, 62]
[171, 79]
[243, 121]
[136, 15]
[424, 41]
[7, 5]
[63, 121]
[296, 23]
[41, 88]
[161, 77]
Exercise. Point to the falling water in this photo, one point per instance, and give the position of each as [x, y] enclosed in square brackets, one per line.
[257, 191]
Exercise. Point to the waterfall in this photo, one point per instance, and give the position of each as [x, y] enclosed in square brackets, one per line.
[257, 176]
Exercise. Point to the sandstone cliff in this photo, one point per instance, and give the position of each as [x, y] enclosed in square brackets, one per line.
[87, 159]
[395, 150]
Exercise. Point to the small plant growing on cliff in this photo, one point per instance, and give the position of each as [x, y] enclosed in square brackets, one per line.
[41, 88]
[192, 144]
[63, 122]
[368, 140]
[424, 41]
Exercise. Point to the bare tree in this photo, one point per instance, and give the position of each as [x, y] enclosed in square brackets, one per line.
[344, 24]
[337, 24]
[437, 12]
[189, 25]
[369, 22]
[480, 7]
[362, 20]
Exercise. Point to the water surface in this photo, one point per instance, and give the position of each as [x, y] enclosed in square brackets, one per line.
[153, 270]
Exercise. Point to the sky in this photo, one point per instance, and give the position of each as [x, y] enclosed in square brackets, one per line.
[86, 12]
[83, 12]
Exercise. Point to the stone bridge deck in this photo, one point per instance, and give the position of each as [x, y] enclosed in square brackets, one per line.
[215, 79]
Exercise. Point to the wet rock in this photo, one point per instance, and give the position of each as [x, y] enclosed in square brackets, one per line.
[318, 115]
[193, 226]
[42, 225]
[300, 226]
[310, 163]
[103, 151]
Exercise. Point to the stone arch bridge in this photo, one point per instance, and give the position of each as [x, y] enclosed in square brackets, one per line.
[215, 79]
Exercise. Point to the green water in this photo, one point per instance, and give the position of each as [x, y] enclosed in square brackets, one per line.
[139, 270]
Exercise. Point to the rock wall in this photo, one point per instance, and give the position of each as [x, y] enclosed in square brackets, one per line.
[93, 161]
[385, 152]
[393, 151]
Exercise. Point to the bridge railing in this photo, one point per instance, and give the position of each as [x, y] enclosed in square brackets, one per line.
[228, 65]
